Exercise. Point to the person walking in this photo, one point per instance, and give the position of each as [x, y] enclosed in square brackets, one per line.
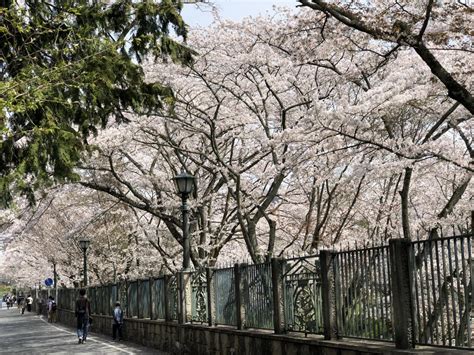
[117, 322]
[18, 303]
[29, 303]
[22, 305]
[83, 312]
[52, 307]
[39, 304]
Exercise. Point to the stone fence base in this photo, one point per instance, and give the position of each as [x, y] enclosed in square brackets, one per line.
[203, 340]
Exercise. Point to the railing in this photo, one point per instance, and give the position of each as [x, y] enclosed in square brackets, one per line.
[158, 299]
[443, 291]
[257, 296]
[408, 292]
[363, 293]
[224, 285]
[199, 296]
[302, 295]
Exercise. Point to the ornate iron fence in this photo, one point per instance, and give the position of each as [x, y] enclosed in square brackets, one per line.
[302, 295]
[361, 287]
[173, 297]
[199, 296]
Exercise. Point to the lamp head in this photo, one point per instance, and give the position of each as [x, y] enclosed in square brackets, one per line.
[84, 244]
[184, 183]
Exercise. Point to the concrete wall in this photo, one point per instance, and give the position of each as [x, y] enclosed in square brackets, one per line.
[203, 340]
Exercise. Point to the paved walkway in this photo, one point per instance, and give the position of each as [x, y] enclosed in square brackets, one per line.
[31, 334]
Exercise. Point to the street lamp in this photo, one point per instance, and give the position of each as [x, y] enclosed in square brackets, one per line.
[184, 186]
[84, 244]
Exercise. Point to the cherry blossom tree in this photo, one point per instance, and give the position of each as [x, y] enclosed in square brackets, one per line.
[428, 28]
[303, 133]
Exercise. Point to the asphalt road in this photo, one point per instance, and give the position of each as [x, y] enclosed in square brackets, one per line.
[31, 334]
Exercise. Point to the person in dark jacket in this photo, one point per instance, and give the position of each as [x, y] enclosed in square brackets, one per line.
[83, 312]
[117, 322]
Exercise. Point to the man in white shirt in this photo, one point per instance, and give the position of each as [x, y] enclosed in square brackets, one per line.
[29, 302]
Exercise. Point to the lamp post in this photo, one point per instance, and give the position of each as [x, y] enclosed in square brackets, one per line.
[84, 244]
[55, 275]
[184, 186]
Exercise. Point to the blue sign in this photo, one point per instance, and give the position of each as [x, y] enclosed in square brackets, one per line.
[48, 281]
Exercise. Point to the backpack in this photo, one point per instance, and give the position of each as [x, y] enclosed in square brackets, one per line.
[53, 306]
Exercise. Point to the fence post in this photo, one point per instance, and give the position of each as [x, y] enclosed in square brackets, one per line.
[179, 284]
[239, 309]
[166, 300]
[328, 286]
[401, 261]
[188, 296]
[211, 301]
[278, 301]
[184, 297]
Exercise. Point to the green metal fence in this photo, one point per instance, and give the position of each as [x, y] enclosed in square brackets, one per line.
[302, 295]
[224, 285]
[144, 299]
[173, 297]
[132, 299]
[199, 296]
[363, 293]
[257, 294]
[158, 298]
[443, 275]
[358, 288]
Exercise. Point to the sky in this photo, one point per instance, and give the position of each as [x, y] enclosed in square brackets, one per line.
[201, 15]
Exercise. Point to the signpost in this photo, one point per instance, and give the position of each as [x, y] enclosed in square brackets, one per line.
[49, 282]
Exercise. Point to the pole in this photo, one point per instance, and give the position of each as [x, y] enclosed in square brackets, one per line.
[186, 244]
[85, 267]
[328, 294]
[401, 261]
[55, 275]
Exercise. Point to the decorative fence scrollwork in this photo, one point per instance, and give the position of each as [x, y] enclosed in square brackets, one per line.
[302, 295]
[173, 297]
[199, 296]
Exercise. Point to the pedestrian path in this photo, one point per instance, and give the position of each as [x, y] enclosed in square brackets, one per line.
[32, 334]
